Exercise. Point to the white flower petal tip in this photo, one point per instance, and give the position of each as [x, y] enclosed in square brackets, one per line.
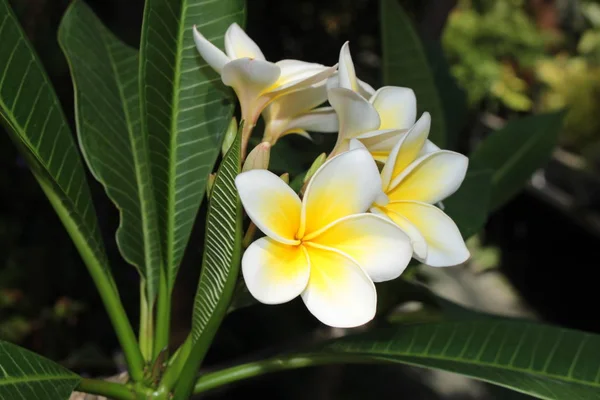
[378, 245]
[445, 245]
[346, 184]
[339, 293]
[209, 52]
[347, 75]
[397, 107]
[275, 273]
[239, 45]
[272, 205]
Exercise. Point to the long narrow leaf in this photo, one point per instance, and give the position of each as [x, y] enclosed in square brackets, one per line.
[185, 110]
[105, 77]
[220, 265]
[35, 122]
[405, 64]
[27, 376]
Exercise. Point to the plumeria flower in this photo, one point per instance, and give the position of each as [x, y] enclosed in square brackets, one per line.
[296, 113]
[325, 247]
[256, 81]
[377, 118]
[412, 181]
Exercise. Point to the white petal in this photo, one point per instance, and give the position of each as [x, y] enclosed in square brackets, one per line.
[239, 45]
[339, 293]
[322, 119]
[431, 178]
[250, 79]
[347, 75]
[357, 144]
[275, 273]
[355, 114]
[299, 74]
[397, 107]
[295, 103]
[381, 142]
[406, 150]
[445, 245]
[272, 205]
[376, 244]
[417, 240]
[211, 53]
[429, 147]
[346, 184]
[364, 89]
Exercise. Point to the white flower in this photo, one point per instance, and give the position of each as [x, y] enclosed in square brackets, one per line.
[377, 118]
[323, 247]
[414, 179]
[256, 81]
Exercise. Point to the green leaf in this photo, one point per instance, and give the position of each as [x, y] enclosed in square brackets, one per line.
[26, 375]
[405, 64]
[515, 152]
[105, 78]
[469, 206]
[36, 123]
[544, 361]
[220, 265]
[185, 110]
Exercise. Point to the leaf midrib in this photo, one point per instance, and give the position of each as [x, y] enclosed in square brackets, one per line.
[173, 142]
[144, 206]
[38, 378]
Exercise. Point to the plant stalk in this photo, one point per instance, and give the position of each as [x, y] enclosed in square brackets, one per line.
[163, 316]
[146, 333]
[240, 372]
[111, 390]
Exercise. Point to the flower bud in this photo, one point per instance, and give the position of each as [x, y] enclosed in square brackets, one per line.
[230, 135]
[285, 177]
[315, 166]
[258, 157]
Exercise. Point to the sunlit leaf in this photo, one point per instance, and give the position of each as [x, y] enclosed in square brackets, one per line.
[185, 110]
[515, 152]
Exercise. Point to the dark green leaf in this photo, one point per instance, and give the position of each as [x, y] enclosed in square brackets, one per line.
[515, 152]
[405, 64]
[105, 77]
[35, 122]
[185, 110]
[28, 376]
[220, 265]
[469, 206]
[544, 361]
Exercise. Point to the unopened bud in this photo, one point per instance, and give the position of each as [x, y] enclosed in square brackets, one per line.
[285, 177]
[230, 135]
[315, 166]
[258, 157]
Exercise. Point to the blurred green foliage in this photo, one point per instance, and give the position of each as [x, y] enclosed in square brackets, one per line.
[488, 44]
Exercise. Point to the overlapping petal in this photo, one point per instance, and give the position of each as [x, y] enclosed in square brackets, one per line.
[397, 107]
[345, 185]
[407, 149]
[209, 52]
[239, 45]
[339, 293]
[376, 244]
[445, 245]
[275, 273]
[271, 204]
[417, 240]
[431, 178]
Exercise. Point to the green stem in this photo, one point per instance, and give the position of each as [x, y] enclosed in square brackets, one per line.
[146, 333]
[105, 285]
[163, 316]
[111, 390]
[250, 370]
[176, 364]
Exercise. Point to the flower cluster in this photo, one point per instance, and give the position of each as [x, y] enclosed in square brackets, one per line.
[366, 211]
